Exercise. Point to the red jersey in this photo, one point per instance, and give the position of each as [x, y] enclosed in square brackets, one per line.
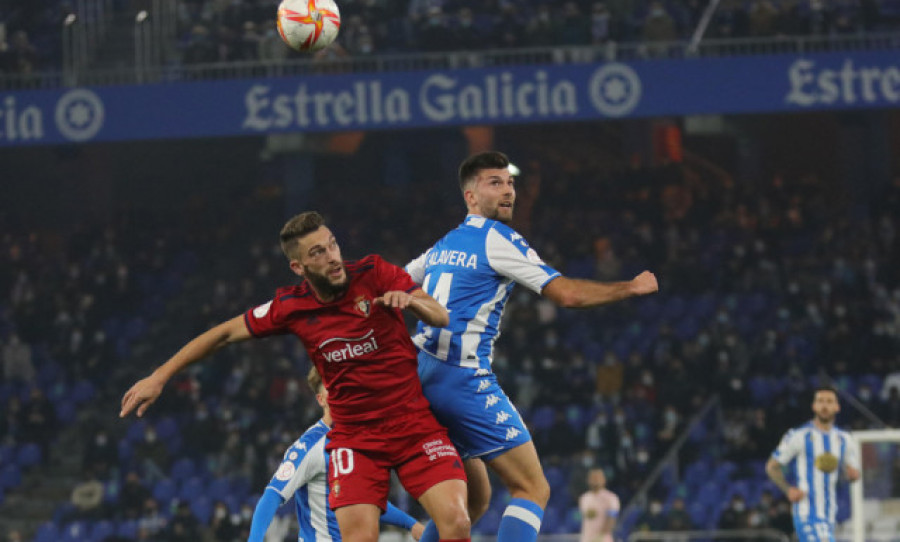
[362, 350]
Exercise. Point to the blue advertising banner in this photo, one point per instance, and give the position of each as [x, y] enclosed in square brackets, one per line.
[519, 94]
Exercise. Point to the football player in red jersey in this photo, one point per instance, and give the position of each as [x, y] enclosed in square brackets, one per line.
[347, 314]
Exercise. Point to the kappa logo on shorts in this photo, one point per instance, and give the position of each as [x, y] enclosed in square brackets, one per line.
[512, 433]
[482, 372]
[483, 385]
[336, 488]
[502, 417]
[491, 401]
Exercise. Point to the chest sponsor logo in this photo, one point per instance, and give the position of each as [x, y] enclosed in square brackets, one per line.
[340, 349]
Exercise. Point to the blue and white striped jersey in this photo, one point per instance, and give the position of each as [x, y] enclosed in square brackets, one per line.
[471, 271]
[303, 474]
[798, 451]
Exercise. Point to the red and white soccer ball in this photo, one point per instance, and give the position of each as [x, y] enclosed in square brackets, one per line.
[308, 25]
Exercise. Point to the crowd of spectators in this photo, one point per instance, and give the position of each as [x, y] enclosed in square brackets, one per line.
[211, 31]
[764, 287]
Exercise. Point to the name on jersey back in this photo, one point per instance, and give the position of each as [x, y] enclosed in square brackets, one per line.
[453, 257]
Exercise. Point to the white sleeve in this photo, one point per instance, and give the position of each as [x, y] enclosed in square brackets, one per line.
[851, 452]
[298, 468]
[788, 448]
[416, 268]
[518, 261]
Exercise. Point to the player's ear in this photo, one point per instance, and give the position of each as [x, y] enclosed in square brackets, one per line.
[322, 399]
[296, 268]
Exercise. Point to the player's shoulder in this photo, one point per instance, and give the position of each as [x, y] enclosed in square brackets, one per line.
[366, 263]
[294, 292]
[311, 437]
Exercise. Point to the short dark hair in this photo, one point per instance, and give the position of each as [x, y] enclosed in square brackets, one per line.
[472, 165]
[828, 388]
[296, 228]
[314, 379]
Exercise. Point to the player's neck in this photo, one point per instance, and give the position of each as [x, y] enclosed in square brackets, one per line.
[822, 426]
[326, 418]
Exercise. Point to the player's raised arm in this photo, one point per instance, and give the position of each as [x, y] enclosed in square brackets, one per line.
[422, 305]
[145, 392]
[580, 293]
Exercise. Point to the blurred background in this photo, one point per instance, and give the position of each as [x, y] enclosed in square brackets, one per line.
[747, 152]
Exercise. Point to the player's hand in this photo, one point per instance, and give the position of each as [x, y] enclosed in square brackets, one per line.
[795, 494]
[143, 394]
[644, 284]
[417, 531]
[851, 473]
[394, 299]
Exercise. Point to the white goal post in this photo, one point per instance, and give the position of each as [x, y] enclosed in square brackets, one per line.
[857, 501]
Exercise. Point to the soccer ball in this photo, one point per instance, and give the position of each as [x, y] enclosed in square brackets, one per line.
[308, 25]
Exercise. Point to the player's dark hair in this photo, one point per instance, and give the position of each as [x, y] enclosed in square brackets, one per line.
[472, 165]
[314, 380]
[828, 388]
[297, 228]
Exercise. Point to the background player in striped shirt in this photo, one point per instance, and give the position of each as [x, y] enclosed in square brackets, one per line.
[472, 271]
[348, 316]
[815, 454]
[303, 474]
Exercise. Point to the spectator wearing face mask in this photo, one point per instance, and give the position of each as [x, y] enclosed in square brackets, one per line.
[100, 454]
[152, 455]
[735, 516]
[653, 518]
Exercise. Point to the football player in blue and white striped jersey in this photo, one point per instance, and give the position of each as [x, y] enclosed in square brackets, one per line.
[815, 454]
[303, 474]
[472, 271]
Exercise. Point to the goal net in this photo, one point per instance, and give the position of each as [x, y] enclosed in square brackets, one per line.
[875, 500]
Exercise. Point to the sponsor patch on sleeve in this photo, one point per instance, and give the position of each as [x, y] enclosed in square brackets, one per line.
[285, 471]
[262, 310]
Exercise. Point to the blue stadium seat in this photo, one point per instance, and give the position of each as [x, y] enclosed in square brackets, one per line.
[47, 532]
[65, 411]
[202, 508]
[183, 469]
[82, 392]
[166, 428]
[127, 529]
[489, 522]
[29, 455]
[219, 488]
[10, 476]
[7, 454]
[76, 531]
[192, 488]
[101, 530]
[164, 491]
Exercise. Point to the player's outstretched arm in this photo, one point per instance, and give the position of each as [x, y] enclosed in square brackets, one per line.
[422, 305]
[581, 294]
[145, 392]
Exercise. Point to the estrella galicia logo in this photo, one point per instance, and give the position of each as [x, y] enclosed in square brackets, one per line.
[615, 89]
[79, 114]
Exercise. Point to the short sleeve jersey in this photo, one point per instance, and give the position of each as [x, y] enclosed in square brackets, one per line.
[472, 271]
[362, 350]
[799, 450]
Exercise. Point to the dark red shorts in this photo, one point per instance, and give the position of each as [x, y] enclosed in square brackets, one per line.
[362, 456]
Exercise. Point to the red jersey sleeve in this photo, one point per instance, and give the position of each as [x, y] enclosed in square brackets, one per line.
[267, 319]
[391, 277]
